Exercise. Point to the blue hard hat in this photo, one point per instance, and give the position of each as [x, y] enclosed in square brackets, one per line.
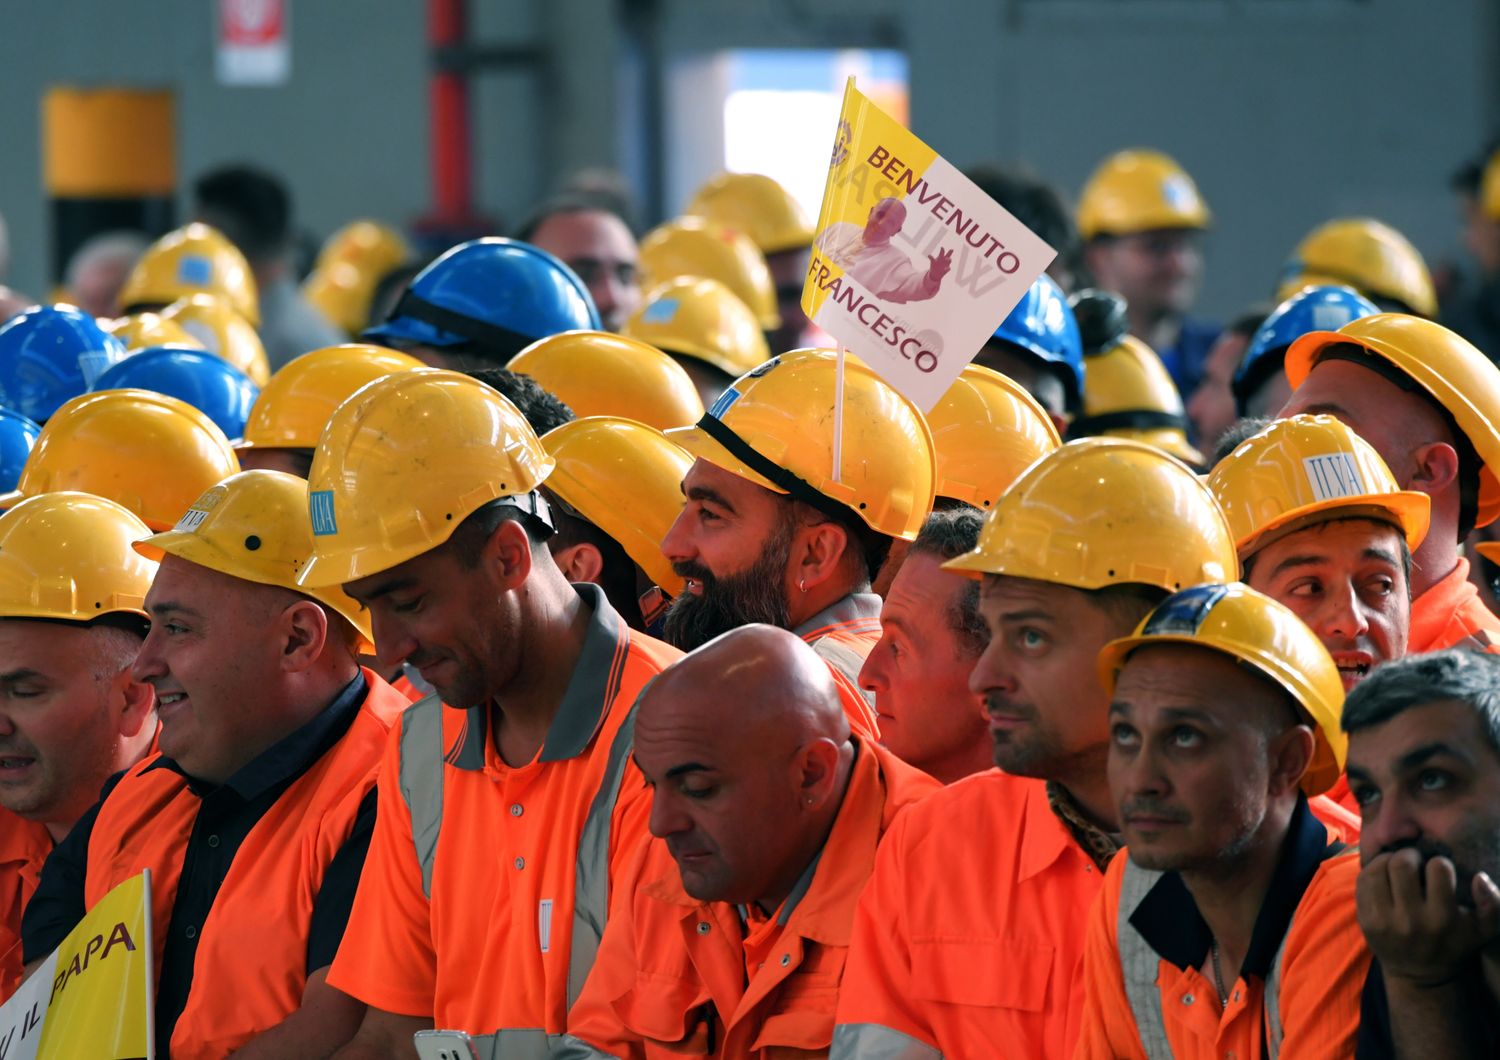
[500, 294]
[1322, 308]
[1043, 325]
[49, 355]
[204, 380]
[17, 435]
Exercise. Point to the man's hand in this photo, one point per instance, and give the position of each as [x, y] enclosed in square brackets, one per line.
[938, 265]
[1411, 917]
[1487, 901]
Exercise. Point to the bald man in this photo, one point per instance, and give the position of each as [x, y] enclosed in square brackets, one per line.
[729, 933]
[867, 255]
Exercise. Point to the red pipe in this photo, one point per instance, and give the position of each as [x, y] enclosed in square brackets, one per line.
[452, 168]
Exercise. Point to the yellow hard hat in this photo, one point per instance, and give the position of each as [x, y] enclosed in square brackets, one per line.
[1105, 511]
[986, 430]
[147, 451]
[597, 373]
[1128, 393]
[774, 427]
[691, 246]
[1490, 550]
[1489, 188]
[342, 295]
[404, 461]
[193, 259]
[626, 479]
[295, 406]
[1304, 466]
[1373, 258]
[1448, 367]
[1139, 191]
[350, 266]
[68, 556]
[371, 247]
[694, 316]
[254, 526]
[1264, 635]
[220, 329]
[756, 205]
[139, 330]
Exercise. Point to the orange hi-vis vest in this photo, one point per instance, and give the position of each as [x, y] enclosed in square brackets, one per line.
[250, 967]
[1451, 615]
[487, 885]
[843, 635]
[24, 846]
[1298, 991]
[1343, 798]
[679, 977]
[403, 684]
[1339, 817]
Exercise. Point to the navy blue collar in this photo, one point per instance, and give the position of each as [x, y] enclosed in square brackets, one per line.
[1169, 921]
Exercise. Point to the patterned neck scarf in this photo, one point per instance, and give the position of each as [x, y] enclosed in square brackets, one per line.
[1099, 845]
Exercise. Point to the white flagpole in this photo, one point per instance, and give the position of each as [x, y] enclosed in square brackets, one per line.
[838, 416]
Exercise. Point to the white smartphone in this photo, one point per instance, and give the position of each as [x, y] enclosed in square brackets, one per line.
[444, 1045]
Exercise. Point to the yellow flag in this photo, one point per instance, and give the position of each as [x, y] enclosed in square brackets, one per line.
[913, 266]
[93, 996]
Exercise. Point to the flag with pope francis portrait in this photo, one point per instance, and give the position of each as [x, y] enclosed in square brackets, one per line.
[913, 266]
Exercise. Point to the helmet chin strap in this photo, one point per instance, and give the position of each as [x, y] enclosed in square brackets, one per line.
[774, 473]
[489, 335]
[533, 504]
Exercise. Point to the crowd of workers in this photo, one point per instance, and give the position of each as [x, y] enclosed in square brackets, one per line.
[492, 645]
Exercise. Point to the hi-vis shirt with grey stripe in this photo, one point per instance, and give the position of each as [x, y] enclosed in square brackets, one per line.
[422, 788]
[1139, 963]
[855, 614]
[1140, 966]
[872, 1041]
[423, 758]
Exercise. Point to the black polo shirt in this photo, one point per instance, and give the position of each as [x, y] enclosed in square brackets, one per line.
[228, 812]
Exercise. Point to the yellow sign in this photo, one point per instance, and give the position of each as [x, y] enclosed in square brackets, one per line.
[93, 996]
[913, 266]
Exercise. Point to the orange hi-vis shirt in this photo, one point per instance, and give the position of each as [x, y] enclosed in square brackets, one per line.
[262, 912]
[487, 885]
[1451, 615]
[1340, 818]
[403, 684]
[843, 635]
[1298, 992]
[24, 846]
[679, 977]
[968, 941]
[1343, 798]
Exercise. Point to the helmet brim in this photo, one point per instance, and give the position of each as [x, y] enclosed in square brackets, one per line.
[403, 329]
[1302, 356]
[1409, 511]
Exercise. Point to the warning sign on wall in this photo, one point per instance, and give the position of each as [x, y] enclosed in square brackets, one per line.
[253, 47]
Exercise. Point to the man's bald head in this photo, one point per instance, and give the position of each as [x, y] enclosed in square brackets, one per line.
[782, 690]
[746, 746]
